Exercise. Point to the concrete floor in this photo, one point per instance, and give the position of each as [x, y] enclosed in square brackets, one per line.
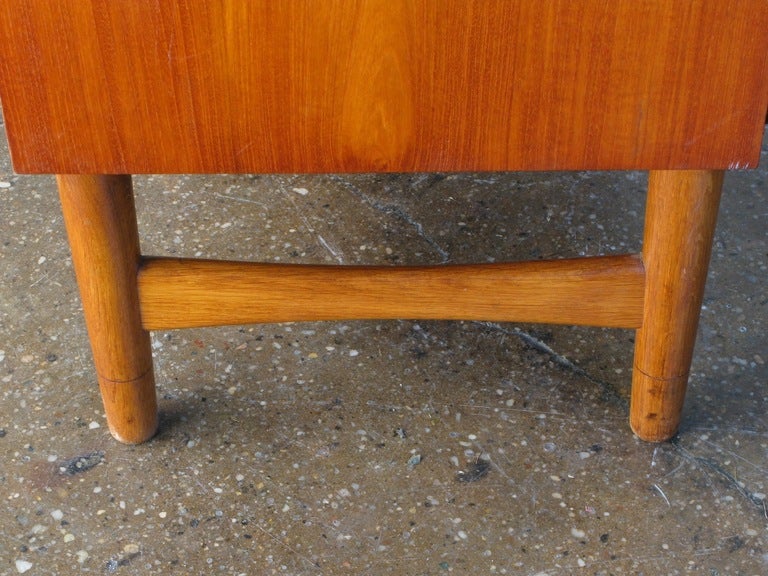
[401, 447]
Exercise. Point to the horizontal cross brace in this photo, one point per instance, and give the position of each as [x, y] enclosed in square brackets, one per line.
[596, 291]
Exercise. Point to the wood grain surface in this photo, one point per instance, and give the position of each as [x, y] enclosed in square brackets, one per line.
[178, 293]
[104, 86]
[680, 219]
[100, 218]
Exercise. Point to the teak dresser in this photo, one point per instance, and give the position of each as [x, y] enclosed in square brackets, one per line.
[96, 90]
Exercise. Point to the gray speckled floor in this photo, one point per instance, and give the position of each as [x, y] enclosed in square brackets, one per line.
[401, 447]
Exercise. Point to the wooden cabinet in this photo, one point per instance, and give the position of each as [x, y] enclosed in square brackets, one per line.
[95, 90]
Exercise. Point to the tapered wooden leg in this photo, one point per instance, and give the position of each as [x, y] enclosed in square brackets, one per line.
[100, 218]
[680, 219]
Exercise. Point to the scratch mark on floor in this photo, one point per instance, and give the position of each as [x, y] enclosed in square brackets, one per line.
[397, 212]
[608, 392]
[240, 199]
[337, 254]
[730, 479]
[660, 491]
[735, 455]
[287, 547]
